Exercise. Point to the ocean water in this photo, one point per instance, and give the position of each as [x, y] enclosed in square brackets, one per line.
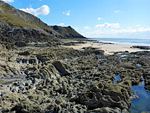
[142, 42]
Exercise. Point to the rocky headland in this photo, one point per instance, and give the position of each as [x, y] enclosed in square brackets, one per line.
[40, 74]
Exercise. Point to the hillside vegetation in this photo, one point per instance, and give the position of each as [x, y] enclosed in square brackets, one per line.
[20, 25]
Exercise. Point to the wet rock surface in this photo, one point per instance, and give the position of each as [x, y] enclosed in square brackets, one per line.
[57, 79]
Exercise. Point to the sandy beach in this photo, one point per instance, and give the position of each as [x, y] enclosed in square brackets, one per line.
[109, 48]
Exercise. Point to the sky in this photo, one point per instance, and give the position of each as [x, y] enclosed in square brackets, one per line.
[93, 18]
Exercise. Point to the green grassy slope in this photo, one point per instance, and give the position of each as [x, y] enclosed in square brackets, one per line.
[15, 17]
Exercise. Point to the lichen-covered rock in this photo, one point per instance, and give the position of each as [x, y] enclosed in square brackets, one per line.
[147, 79]
[105, 94]
[105, 110]
[56, 79]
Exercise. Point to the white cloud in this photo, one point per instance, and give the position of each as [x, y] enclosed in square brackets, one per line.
[100, 25]
[87, 28]
[131, 30]
[128, 32]
[109, 25]
[8, 0]
[61, 24]
[138, 25]
[143, 30]
[117, 11]
[67, 13]
[99, 19]
[43, 10]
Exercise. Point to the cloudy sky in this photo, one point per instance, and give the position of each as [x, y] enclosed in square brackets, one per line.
[93, 18]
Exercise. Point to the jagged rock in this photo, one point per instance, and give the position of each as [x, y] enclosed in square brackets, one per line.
[59, 66]
[147, 79]
[20, 44]
[105, 110]
[25, 53]
[105, 95]
[87, 86]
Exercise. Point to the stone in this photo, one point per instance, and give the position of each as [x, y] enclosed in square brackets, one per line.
[58, 65]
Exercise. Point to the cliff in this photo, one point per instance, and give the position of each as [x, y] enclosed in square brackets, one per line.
[19, 25]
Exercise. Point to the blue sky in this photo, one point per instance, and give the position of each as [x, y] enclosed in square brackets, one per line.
[93, 18]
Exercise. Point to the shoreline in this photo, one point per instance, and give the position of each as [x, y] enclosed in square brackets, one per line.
[125, 41]
[109, 48]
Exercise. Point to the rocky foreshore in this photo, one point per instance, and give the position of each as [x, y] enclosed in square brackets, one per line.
[46, 69]
[54, 79]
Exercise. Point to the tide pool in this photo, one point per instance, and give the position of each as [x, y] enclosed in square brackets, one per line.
[141, 104]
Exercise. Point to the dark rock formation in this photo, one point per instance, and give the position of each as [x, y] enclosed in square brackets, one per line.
[147, 79]
[142, 47]
[67, 32]
[59, 66]
[89, 82]
[21, 26]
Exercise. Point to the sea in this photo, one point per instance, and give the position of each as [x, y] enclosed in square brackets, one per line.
[129, 41]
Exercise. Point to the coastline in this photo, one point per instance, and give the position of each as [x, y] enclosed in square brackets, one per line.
[109, 48]
[55, 69]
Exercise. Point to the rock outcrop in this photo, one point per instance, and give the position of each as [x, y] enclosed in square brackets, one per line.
[57, 79]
